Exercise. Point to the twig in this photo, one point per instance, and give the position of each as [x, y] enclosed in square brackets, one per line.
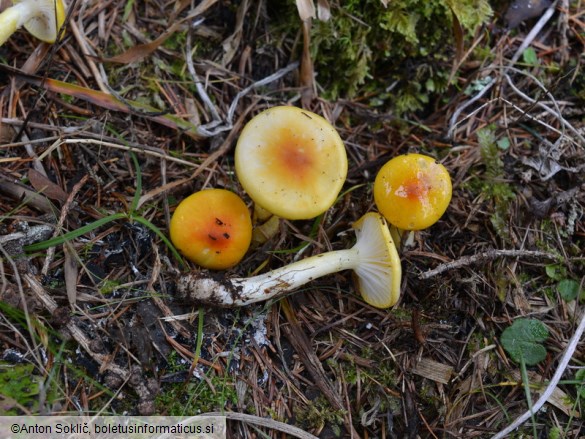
[263, 422]
[275, 76]
[213, 128]
[484, 256]
[144, 150]
[550, 388]
[215, 118]
[556, 112]
[527, 41]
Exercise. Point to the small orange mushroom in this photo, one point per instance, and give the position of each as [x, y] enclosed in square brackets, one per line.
[412, 191]
[212, 228]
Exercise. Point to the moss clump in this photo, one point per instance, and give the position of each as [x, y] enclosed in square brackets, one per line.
[319, 413]
[398, 56]
[490, 181]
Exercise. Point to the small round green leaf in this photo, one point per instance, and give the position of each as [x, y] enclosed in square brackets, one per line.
[568, 289]
[523, 340]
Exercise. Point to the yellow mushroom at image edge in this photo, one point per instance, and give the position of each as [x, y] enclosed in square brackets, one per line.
[291, 162]
[373, 259]
[212, 228]
[42, 18]
[412, 191]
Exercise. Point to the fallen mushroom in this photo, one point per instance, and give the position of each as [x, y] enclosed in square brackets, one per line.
[42, 18]
[412, 191]
[212, 228]
[373, 258]
[291, 162]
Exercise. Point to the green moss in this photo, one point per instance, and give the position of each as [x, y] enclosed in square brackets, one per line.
[491, 183]
[319, 412]
[216, 393]
[398, 57]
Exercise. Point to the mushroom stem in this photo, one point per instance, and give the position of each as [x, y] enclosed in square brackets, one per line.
[373, 258]
[12, 19]
[244, 291]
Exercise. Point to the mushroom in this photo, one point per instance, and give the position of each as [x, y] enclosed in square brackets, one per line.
[42, 18]
[373, 258]
[212, 228]
[412, 191]
[291, 162]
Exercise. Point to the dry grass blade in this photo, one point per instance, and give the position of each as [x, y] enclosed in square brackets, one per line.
[264, 422]
[71, 270]
[108, 101]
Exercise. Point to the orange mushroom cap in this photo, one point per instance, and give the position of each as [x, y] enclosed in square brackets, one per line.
[212, 228]
[291, 162]
[412, 191]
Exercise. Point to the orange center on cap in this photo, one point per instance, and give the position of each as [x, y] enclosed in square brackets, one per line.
[415, 189]
[291, 162]
[216, 234]
[294, 158]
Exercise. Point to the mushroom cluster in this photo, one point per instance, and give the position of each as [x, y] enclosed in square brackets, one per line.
[42, 18]
[293, 163]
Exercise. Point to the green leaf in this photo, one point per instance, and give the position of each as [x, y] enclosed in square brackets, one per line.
[20, 385]
[74, 233]
[569, 289]
[555, 272]
[529, 56]
[522, 341]
[503, 143]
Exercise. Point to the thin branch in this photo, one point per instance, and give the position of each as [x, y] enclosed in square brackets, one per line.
[484, 256]
[453, 123]
[264, 422]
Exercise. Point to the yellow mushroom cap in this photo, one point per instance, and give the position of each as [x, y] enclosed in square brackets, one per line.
[291, 162]
[212, 228]
[412, 191]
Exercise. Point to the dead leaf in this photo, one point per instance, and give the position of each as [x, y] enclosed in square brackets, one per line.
[232, 43]
[70, 271]
[458, 36]
[141, 51]
[522, 10]
[46, 187]
[108, 101]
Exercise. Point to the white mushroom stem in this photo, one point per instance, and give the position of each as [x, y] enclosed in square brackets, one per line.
[373, 258]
